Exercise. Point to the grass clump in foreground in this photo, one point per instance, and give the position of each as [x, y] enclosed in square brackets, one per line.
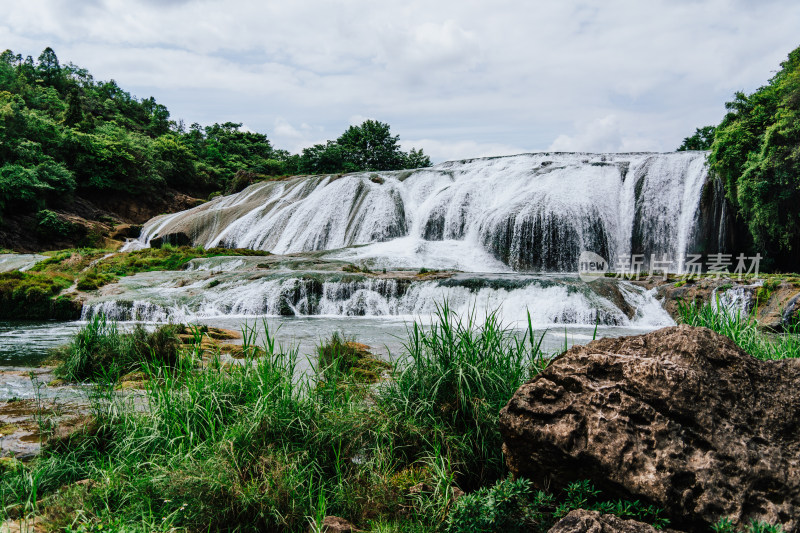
[743, 329]
[101, 352]
[263, 446]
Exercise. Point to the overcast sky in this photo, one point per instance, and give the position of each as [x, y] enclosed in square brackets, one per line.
[457, 78]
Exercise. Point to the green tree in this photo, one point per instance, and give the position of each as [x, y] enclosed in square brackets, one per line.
[701, 140]
[48, 68]
[756, 153]
[369, 146]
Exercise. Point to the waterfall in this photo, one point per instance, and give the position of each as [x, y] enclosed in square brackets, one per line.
[218, 287]
[530, 212]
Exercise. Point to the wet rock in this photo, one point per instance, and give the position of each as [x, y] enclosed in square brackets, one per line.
[70, 431]
[125, 231]
[680, 418]
[609, 289]
[334, 524]
[582, 521]
[778, 309]
[175, 239]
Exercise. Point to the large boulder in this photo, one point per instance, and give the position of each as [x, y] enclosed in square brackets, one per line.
[583, 521]
[680, 418]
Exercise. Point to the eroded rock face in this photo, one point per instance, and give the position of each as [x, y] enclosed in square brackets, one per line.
[681, 418]
[582, 521]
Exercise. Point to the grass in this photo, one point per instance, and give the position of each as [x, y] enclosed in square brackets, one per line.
[33, 295]
[261, 446]
[743, 329]
[93, 269]
[101, 352]
[37, 293]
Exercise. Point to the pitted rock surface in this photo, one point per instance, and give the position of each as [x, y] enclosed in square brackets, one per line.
[680, 418]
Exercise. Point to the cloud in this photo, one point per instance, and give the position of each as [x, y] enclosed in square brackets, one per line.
[444, 151]
[600, 135]
[457, 76]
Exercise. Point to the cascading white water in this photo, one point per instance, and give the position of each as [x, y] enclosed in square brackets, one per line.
[531, 212]
[196, 294]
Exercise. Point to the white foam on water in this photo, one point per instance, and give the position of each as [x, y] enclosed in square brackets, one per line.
[549, 301]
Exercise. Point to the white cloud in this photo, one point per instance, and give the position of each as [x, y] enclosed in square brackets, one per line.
[600, 135]
[459, 76]
[444, 151]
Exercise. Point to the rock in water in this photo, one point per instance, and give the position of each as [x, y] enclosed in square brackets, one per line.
[582, 521]
[680, 417]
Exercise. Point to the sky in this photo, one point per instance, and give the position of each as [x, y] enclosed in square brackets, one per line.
[456, 78]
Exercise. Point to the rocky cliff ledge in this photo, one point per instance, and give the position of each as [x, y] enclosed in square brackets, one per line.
[681, 418]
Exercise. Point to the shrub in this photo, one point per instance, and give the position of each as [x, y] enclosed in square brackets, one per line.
[52, 227]
[346, 359]
[512, 505]
[32, 295]
[509, 506]
[93, 280]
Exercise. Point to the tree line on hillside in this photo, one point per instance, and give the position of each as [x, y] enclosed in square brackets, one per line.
[755, 152]
[63, 133]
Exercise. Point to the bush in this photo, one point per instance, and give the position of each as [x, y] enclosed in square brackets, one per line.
[52, 227]
[508, 506]
[511, 505]
[93, 280]
[346, 359]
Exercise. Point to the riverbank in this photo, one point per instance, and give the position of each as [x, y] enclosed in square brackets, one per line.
[255, 447]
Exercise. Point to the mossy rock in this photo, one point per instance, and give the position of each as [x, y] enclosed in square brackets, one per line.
[10, 465]
[8, 429]
[132, 380]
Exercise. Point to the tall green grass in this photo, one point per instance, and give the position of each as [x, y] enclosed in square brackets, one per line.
[743, 329]
[263, 446]
[101, 351]
[450, 390]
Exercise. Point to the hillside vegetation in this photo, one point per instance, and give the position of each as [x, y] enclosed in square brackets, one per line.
[65, 135]
[755, 151]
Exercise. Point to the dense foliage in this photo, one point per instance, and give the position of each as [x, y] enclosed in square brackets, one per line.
[63, 133]
[756, 154]
[369, 146]
[702, 139]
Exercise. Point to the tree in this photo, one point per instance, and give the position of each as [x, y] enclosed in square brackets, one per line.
[417, 159]
[369, 146]
[48, 67]
[756, 153]
[74, 113]
[701, 140]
